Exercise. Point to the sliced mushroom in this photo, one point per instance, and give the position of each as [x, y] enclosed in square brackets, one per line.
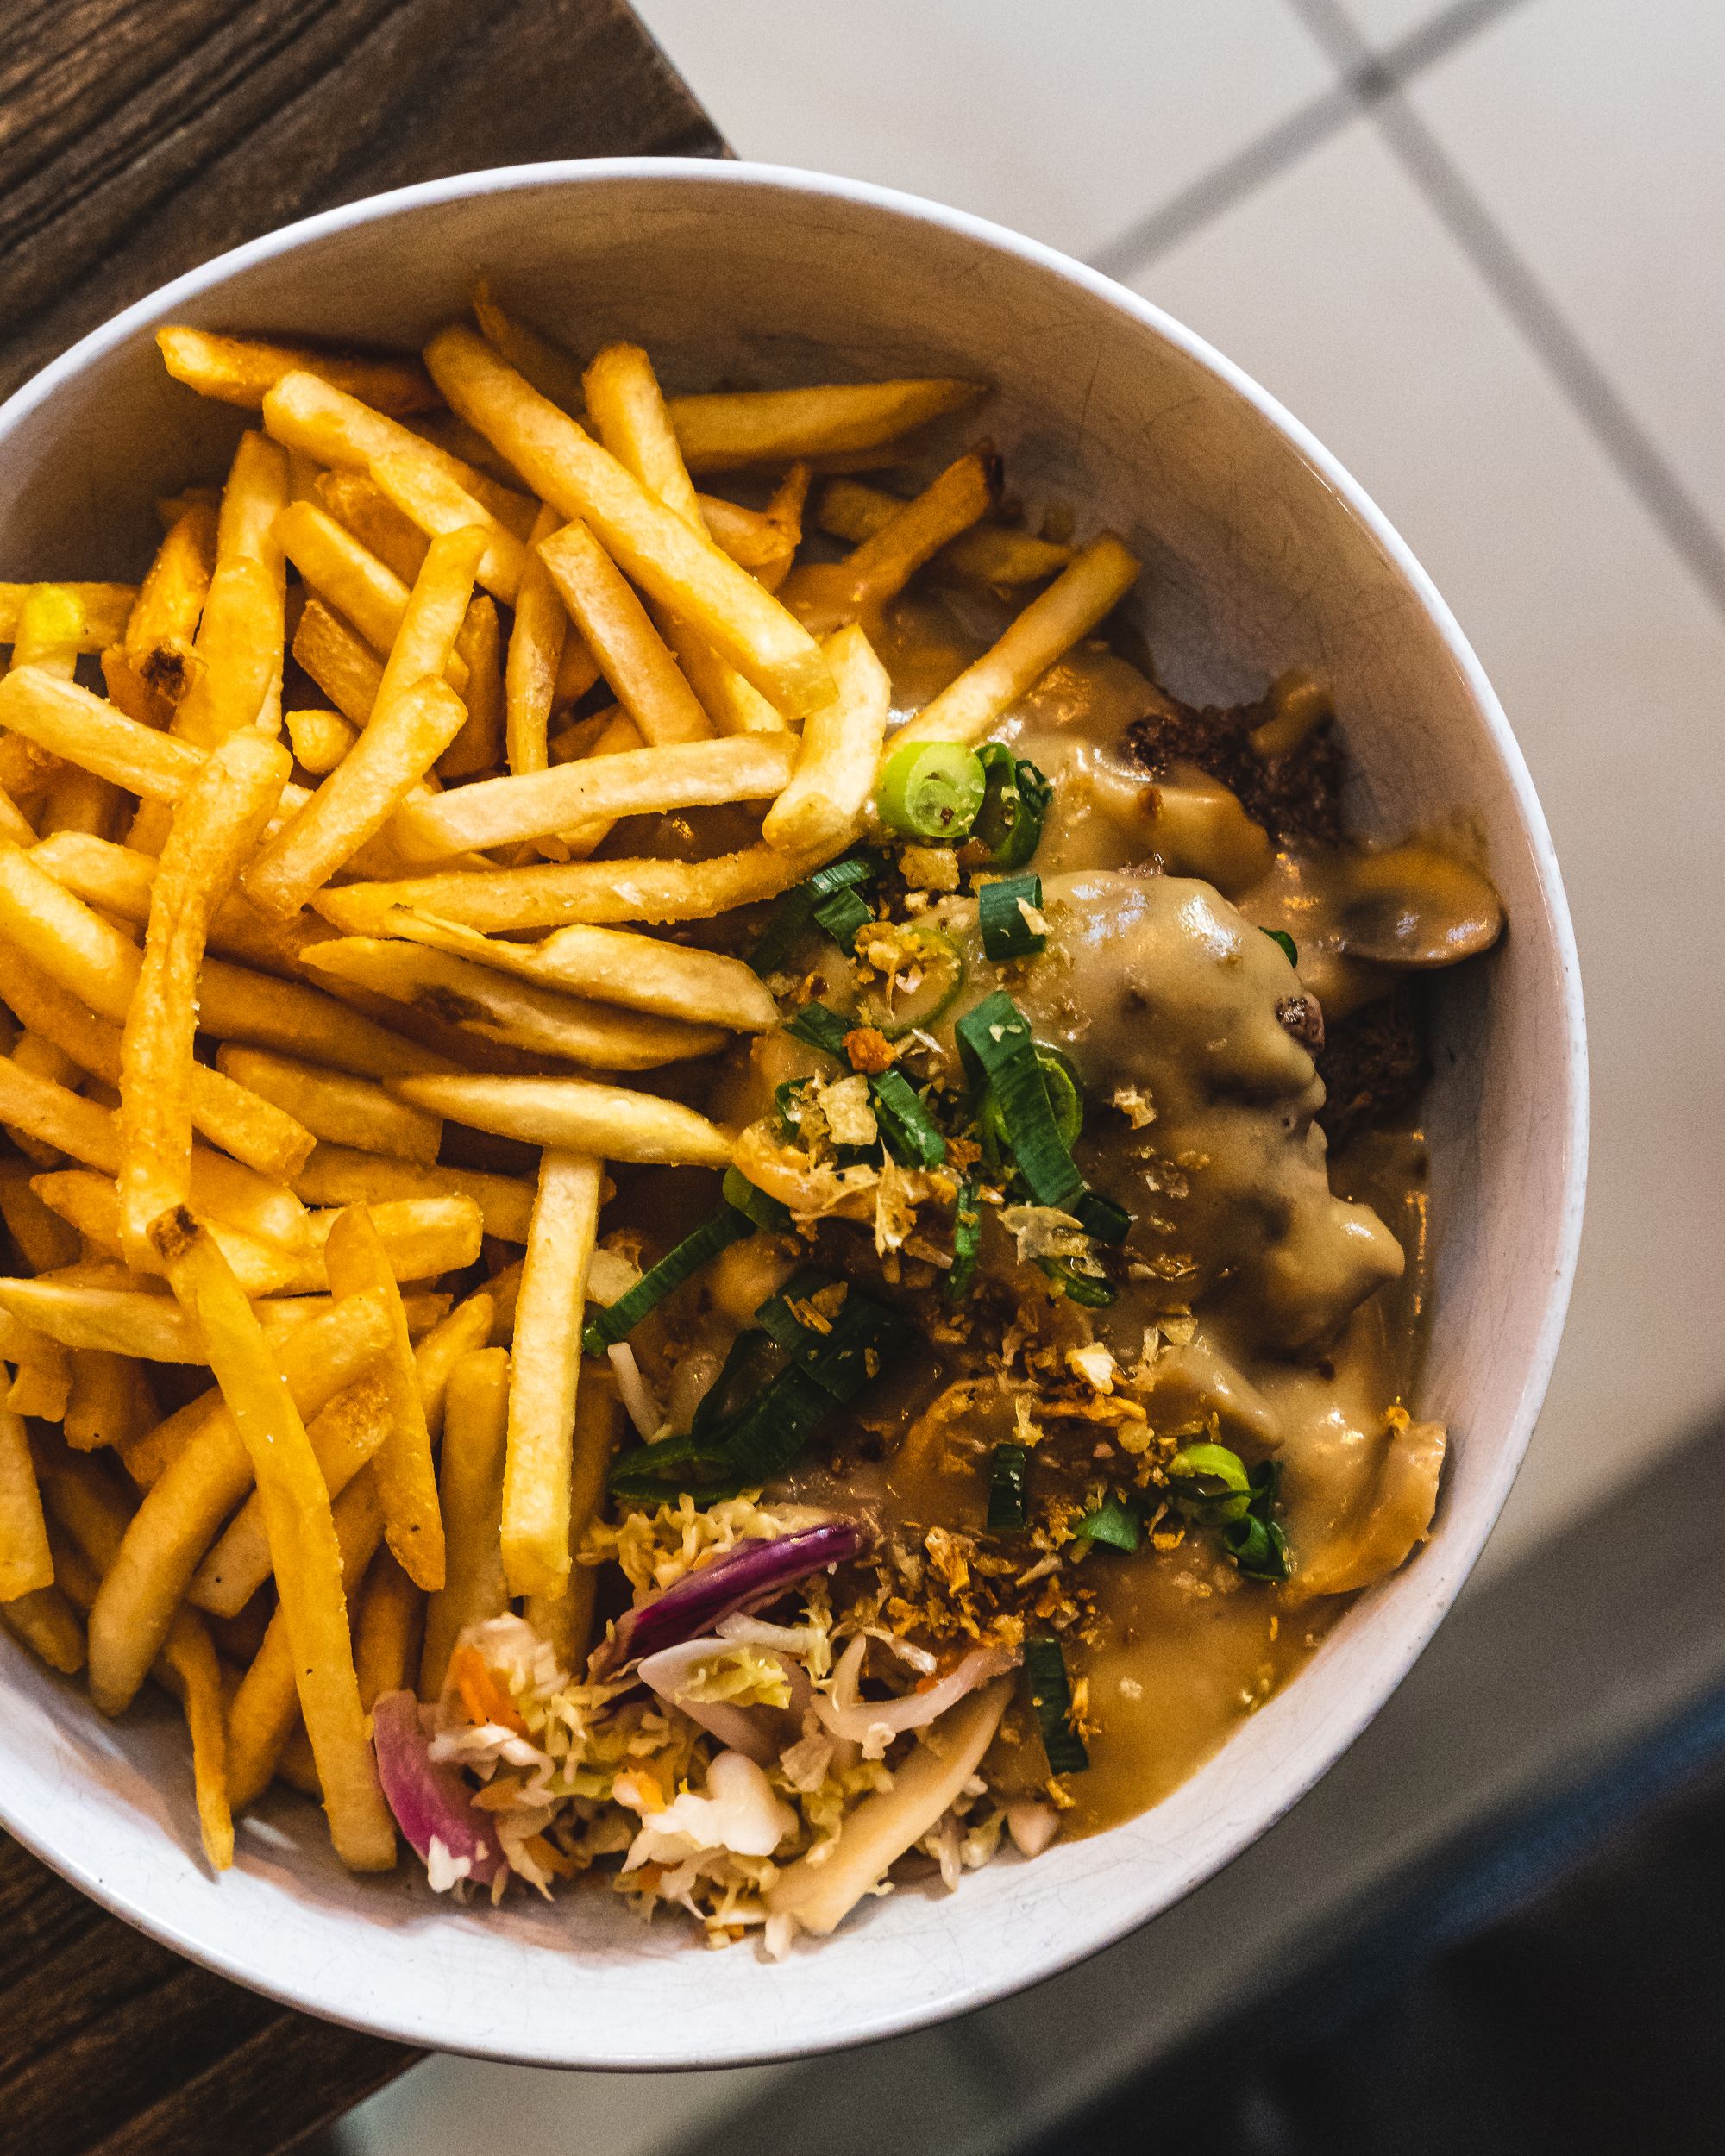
[1415, 905]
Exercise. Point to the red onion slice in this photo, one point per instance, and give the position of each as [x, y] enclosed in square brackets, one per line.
[747, 1577]
[430, 1802]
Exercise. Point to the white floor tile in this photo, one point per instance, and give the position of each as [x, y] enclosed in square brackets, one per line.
[1337, 288]
[1068, 123]
[1593, 132]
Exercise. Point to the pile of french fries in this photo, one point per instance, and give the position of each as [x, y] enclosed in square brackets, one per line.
[324, 868]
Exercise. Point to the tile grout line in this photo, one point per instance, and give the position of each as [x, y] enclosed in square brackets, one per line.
[1544, 327]
[1365, 79]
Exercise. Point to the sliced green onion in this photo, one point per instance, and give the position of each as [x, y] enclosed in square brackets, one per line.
[1000, 909]
[1084, 1288]
[794, 912]
[846, 874]
[994, 1041]
[726, 1226]
[775, 1427]
[967, 1239]
[943, 976]
[1256, 1542]
[1015, 804]
[821, 1028]
[931, 789]
[841, 1360]
[1101, 1218]
[752, 1361]
[655, 1473]
[1214, 1485]
[842, 915]
[1009, 1497]
[1119, 1524]
[906, 1128]
[1050, 1695]
[765, 1212]
[1290, 949]
[787, 1104]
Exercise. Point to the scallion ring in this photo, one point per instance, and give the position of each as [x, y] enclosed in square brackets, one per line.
[1015, 804]
[931, 789]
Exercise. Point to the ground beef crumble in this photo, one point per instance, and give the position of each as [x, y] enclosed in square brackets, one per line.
[1297, 798]
[1374, 1062]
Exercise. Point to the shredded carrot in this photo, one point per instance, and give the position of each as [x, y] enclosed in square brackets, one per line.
[484, 1698]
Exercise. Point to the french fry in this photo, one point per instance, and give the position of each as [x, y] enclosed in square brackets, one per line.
[105, 607]
[825, 596]
[26, 1566]
[614, 966]
[408, 732]
[1091, 586]
[319, 739]
[241, 370]
[215, 829]
[643, 782]
[555, 893]
[536, 652]
[421, 1238]
[749, 536]
[102, 1407]
[51, 631]
[564, 1616]
[826, 802]
[467, 1327]
[989, 554]
[295, 1766]
[630, 653]
[13, 823]
[123, 1321]
[675, 565]
[729, 430]
[92, 1203]
[470, 1490]
[540, 1021]
[271, 1697]
[479, 745]
[345, 1436]
[615, 734]
[356, 501]
[48, 1624]
[386, 1632]
[70, 722]
[556, 373]
[302, 1539]
[342, 664]
[337, 429]
[150, 669]
[331, 1105]
[784, 514]
[357, 1262]
[42, 1239]
[338, 1175]
[38, 1057]
[348, 577]
[237, 680]
[190, 1669]
[431, 499]
[576, 1116]
[545, 1373]
[41, 1379]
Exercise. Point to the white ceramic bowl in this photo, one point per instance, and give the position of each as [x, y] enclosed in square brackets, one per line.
[1261, 552]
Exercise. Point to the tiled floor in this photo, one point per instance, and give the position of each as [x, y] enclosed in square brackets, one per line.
[1477, 248]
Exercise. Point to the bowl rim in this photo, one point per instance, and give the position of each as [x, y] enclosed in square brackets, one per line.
[135, 1906]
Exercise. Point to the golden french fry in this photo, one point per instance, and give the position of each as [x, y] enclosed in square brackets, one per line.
[614, 732]
[422, 1237]
[556, 373]
[564, 1616]
[577, 1116]
[307, 1559]
[345, 1435]
[826, 802]
[549, 895]
[92, 1203]
[26, 1566]
[105, 607]
[123, 1321]
[431, 499]
[190, 1669]
[51, 631]
[784, 512]
[542, 1021]
[752, 539]
[630, 653]
[272, 1696]
[13, 823]
[824, 596]
[241, 370]
[408, 730]
[41, 1381]
[42, 1239]
[674, 564]
[215, 829]
[470, 1489]
[331, 1105]
[337, 429]
[149, 671]
[387, 1631]
[342, 664]
[237, 679]
[479, 745]
[1091, 585]
[725, 431]
[38, 1057]
[356, 1262]
[355, 500]
[338, 1175]
[614, 966]
[466, 1327]
[536, 652]
[70, 722]
[347, 576]
[320, 739]
[544, 1373]
[102, 1407]
[850, 509]
[643, 782]
[48, 1624]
